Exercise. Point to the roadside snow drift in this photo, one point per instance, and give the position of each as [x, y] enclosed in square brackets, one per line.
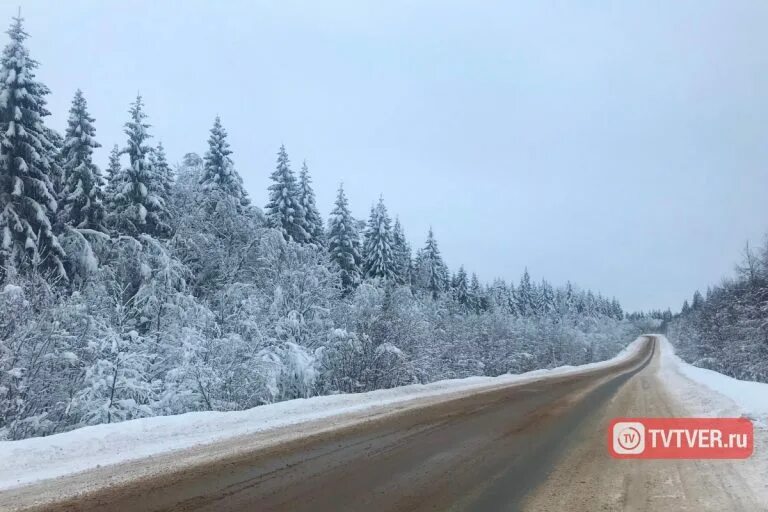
[35, 459]
[706, 393]
[716, 394]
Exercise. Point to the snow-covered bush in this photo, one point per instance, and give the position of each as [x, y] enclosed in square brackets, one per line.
[292, 371]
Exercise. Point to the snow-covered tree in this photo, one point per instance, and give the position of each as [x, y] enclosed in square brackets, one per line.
[431, 269]
[219, 171]
[616, 309]
[476, 294]
[547, 298]
[378, 256]
[569, 299]
[499, 296]
[526, 295]
[344, 242]
[27, 160]
[139, 208]
[313, 223]
[83, 198]
[698, 301]
[57, 162]
[284, 210]
[163, 174]
[116, 385]
[460, 287]
[114, 176]
[401, 250]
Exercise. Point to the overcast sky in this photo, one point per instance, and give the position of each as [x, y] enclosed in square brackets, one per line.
[619, 145]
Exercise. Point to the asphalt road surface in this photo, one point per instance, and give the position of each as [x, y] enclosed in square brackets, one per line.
[538, 446]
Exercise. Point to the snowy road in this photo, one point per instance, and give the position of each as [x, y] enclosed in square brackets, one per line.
[536, 445]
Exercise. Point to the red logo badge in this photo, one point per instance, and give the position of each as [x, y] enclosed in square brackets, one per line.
[680, 438]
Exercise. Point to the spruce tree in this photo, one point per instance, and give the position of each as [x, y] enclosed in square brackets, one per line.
[56, 159]
[402, 254]
[83, 199]
[219, 172]
[433, 273]
[536, 300]
[499, 296]
[344, 242]
[27, 165]
[461, 288]
[114, 176]
[312, 220]
[378, 257]
[590, 303]
[569, 299]
[512, 300]
[284, 211]
[698, 300]
[163, 174]
[546, 298]
[139, 208]
[476, 299]
[618, 312]
[525, 295]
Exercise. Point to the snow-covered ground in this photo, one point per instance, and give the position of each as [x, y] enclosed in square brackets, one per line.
[710, 393]
[32, 460]
[705, 393]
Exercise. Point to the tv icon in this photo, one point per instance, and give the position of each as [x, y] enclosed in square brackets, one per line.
[628, 438]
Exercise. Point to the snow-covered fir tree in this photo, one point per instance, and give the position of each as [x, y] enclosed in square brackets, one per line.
[569, 299]
[546, 298]
[344, 242]
[698, 300]
[618, 312]
[83, 197]
[284, 210]
[57, 162]
[476, 295]
[114, 178]
[499, 296]
[378, 256]
[589, 304]
[402, 254]
[163, 174]
[219, 171]
[313, 223]
[432, 270]
[139, 207]
[512, 300]
[460, 287]
[526, 300]
[27, 165]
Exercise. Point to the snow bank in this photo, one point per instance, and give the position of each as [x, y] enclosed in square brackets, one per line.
[32, 460]
[731, 396]
[706, 393]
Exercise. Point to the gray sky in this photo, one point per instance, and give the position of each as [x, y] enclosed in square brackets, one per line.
[621, 145]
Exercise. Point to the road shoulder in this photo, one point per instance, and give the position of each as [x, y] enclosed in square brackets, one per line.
[588, 479]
